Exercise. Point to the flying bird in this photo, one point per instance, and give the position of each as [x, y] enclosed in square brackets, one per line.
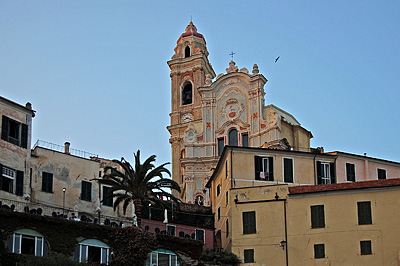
[276, 60]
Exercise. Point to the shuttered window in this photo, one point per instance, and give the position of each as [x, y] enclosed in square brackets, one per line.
[319, 251]
[221, 145]
[264, 168]
[249, 222]
[364, 212]
[288, 170]
[86, 193]
[248, 255]
[317, 216]
[47, 182]
[351, 172]
[245, 140]
[366, 247]
[107, 201]
[14, 132]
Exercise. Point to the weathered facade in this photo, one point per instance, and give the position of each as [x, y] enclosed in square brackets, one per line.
[15, 143]
[209, 112]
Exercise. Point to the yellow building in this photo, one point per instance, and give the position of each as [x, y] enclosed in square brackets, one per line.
[269, 209]
[209, 111]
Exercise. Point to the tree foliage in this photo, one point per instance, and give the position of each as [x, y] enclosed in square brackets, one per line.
[220, 257]
[137, 183]
[132, 246]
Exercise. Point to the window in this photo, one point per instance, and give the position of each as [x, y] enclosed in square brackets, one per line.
[221, 145]
[187, 51]
[227, 227]
[14, 132]
[171, 230]
[381, 173]
[351, 172]
[107, 198]
[47, 182]
[9, 177]
[162, 257]
[248, 255]
[326, 173]
[227, 198]
[187, 94]
[28, 241]
[219, 213]
[288, 170]
[233, 137]
[317, 216]
[86, 193]
[249, 222]
[319, 251]
[200, 235]
[245, 140]
[92, 250]
[218, 189]
[365, 247]
[264, 168]
[364, 212]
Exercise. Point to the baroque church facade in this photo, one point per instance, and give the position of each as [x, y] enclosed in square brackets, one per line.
[210, 111]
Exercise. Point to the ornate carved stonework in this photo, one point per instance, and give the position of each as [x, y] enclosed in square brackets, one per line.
[232, 109]
[232, 67]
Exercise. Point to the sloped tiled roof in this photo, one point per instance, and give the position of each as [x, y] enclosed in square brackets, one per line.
[344, 186]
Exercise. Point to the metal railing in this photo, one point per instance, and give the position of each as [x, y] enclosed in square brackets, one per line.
[61, 148]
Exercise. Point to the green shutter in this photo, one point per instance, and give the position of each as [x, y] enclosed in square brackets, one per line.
[4, 128]
[319, 173]
[257, 167]
[24, 136]
[271, 169]
[333, 173]
[19, 186]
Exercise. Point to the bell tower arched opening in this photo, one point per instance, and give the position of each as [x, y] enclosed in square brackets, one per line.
[187, 51]
[187, 94]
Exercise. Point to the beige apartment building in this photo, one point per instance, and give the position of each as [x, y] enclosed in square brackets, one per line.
[262, 202]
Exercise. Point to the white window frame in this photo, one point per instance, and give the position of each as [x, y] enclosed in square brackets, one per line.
[155, 252]
[377, 172]
[326, 173]
[10, 174]
[103, 259]
[18, 245]
[264, 168]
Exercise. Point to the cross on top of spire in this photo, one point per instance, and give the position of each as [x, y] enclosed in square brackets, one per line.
[232, 54]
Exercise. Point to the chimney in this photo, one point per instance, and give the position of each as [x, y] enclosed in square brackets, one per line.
[66, 146]
[28, 105]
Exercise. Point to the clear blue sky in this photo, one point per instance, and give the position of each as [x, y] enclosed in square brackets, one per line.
[96, 72]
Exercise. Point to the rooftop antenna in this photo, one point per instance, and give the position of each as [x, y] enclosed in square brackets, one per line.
[232, 54]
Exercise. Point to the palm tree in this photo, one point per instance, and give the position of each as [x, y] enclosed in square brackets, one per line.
[139, 183]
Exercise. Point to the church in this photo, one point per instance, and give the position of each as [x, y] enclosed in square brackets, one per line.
[210, 111]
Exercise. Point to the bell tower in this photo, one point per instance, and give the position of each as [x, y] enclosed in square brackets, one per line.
[189, 67]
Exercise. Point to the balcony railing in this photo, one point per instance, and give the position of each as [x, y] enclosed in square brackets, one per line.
[61, 148]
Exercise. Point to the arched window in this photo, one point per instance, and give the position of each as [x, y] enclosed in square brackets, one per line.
[92, 250]
[233, 137]
[28, 241]
[187, 94]
[187, 51]
[162, 257]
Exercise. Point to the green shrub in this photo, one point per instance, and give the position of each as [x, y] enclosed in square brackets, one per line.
[56, 260]
[220, 257]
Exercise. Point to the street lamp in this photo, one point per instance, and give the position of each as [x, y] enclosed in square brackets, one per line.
[64, 189]
[150, 212]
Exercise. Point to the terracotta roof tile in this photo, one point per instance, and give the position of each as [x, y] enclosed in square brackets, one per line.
[345, 186]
